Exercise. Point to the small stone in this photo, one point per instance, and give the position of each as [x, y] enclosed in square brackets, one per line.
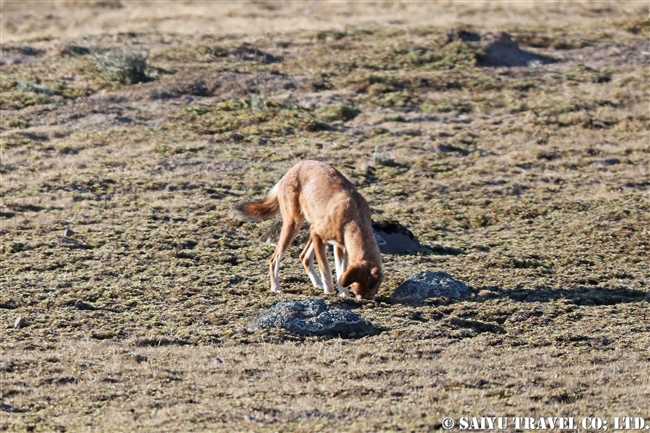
[606, 162]
[310, 318]
[424, 285]
[6, 408]
[139, 358]
[81, 305]
[20, 322]
[68, 232]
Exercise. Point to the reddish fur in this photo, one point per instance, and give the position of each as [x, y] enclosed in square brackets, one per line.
[318, 193]
[261, 210]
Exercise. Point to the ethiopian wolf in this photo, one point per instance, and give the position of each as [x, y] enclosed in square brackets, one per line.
[338, 214]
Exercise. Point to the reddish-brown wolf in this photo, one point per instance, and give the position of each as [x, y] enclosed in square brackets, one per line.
[338, 214]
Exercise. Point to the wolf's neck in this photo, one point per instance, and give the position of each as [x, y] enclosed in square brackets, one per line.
[360, 244]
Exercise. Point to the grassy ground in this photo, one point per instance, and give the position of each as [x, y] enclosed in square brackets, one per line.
[529, 184]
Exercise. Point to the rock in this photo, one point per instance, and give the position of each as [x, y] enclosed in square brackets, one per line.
[249, 52]
[424, 285]
[9, 305]
[7, 408]
[138, 358]
[81, 305]
[68, 232]
[443, 148]
[20, 322]
[312, 317]
[394, 238]
[606, 162]
[501, 50]
[462, 35]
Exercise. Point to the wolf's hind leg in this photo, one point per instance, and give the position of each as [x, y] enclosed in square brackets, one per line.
[290, 229]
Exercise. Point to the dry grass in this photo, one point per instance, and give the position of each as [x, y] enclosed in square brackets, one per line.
[267, 387]
[529, 184]
[24, 19]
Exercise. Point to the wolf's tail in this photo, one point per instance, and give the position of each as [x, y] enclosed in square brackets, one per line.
[262, 210]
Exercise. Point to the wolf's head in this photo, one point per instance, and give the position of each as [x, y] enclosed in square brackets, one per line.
[363, 279]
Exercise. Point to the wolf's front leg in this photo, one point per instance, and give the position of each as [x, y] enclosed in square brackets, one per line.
[340, 264]
[307, 259]
[325, 272]
[275, 272]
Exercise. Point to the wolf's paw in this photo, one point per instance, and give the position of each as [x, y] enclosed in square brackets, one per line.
[344, 292]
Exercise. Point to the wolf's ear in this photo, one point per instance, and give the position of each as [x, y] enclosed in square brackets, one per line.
[376, 272]
[350, 276]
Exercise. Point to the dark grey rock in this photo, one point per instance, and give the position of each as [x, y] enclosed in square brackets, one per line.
[606, 162]
[20, 323]
[6, 407]
[68, 232]
[393, 238]
[500, 49]
[81, 305]
[424, 285]
[312, 317]
[462, 35]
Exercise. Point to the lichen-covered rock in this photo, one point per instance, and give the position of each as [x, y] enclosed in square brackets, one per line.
[500, 49]
[393, 238]
[311, 317]
[424, 285]
[20, 322]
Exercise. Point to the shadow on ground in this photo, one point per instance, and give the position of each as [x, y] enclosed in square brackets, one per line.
[582, 296]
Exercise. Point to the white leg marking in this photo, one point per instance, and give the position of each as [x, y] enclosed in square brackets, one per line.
[320, 251]
[345, 291]
[327, 282]
[276, 275]
[341, 264]
[328, 290]
[307, 259]
[313, 276]
[338, 266]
